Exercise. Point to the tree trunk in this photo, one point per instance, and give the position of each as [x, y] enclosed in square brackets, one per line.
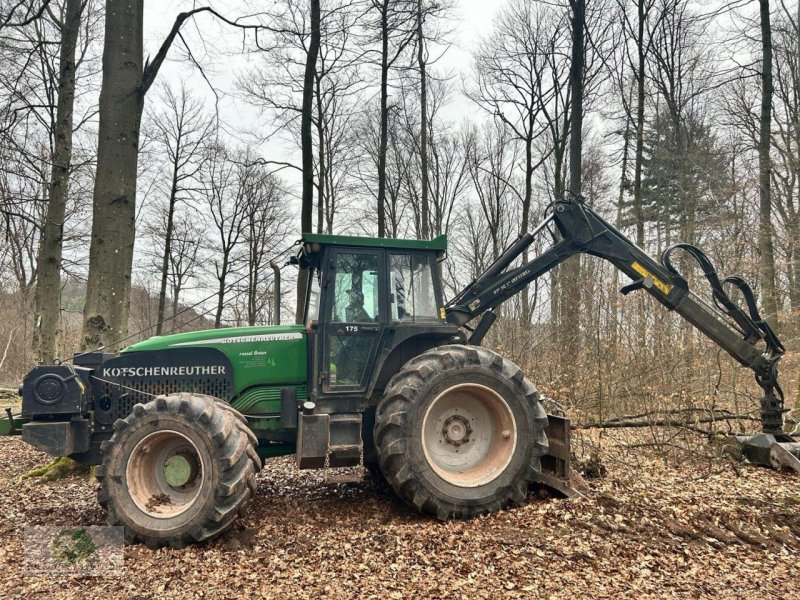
[623, 185]
[48, 269]
[175, 304]
[384, 141]
[252, 290]
[223, 275]
[526, 212]
[556, 315]
[306, 214]
[570, 270]
[765, 244]
[321, 197]
[639, 154]
[162, 292]
[638, 160]
[105, 315]
[423, 138]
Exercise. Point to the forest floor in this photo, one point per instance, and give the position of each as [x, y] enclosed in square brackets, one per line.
[664, 525]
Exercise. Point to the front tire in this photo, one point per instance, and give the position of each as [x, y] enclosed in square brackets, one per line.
[177, 470]
[459, 432]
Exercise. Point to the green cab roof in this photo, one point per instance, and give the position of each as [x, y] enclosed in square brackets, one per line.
[439, 243]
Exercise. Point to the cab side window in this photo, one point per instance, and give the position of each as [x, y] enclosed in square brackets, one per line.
[353, 332]
[411, 287]
[356, 288]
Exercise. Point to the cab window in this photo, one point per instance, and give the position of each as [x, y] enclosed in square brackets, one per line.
[353, 332]
[355, 288]
[411, 287]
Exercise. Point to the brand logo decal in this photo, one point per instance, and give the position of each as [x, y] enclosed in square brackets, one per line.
[182, 371]
[246, 339]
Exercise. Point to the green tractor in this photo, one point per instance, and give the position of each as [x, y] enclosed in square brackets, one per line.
[376, 377]
[382, 375]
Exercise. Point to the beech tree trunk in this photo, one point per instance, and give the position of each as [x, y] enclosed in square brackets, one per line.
[384, 141]
[765, 243]
[306, 143]
[105, 315]
[321, 166]
[526, 212]
[639, 152]
[47, 296]
[423, 106]
[162, 292]
[570, 270]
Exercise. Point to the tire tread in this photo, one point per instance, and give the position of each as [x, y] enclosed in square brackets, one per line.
[391, 437]
[235, 453]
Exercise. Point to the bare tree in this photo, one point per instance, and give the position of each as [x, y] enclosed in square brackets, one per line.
[428, 14]
[21, 236]
[338, 81]
[113, 227]
[228, 180]
[126, 81]
[20, 13]
[186, 239]
[786, 143]
[307, 149]
[637, 31]
[449, 176]
[515, 82]
[182, 129]
[48, 289]
[570, 270]
[266, 227]
[491, 160]
[339, 153]
[37, 124]
[400, 176]
[396, 31]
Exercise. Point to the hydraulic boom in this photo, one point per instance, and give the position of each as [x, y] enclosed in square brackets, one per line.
[745, 335]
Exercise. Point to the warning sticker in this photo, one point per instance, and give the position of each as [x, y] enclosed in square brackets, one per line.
[641, 270]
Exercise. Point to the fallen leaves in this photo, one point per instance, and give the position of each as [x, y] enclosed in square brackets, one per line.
[655, 526]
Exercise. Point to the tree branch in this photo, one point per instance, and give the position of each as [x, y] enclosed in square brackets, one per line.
[30, 18]
[151, 68]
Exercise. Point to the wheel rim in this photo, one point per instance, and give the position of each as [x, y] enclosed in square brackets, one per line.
[164, 474]
[469, 435]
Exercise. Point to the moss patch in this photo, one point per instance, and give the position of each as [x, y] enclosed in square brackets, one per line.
[60, 468]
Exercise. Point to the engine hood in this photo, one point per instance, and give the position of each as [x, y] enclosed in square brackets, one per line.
[258, 355]
[219, 338]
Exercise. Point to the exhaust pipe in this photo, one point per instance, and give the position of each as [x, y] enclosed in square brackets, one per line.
[276, 293]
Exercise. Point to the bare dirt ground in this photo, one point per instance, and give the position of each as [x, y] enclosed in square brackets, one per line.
[670, 527]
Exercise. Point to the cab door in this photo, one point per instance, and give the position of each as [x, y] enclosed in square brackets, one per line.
[354, 318]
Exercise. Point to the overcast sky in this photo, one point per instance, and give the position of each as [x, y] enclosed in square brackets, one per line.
[218, 48]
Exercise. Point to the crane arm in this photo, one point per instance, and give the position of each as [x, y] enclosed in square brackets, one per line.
[744, 335]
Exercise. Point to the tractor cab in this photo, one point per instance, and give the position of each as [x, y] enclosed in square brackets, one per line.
[371, 304]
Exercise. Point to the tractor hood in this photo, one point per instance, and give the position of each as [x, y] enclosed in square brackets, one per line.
[259, 355]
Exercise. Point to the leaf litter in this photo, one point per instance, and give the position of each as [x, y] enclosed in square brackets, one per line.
[661, 523]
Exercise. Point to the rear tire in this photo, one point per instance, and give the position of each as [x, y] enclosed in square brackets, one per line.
[177, 470]
[459, 432]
